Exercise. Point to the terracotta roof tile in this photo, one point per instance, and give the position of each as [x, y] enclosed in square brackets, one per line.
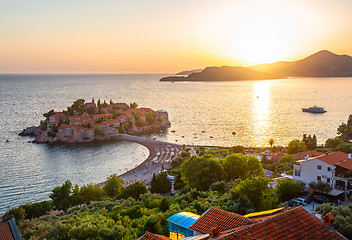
[5, 231]
[150, 236]
[302, 155]
[346, 164]
[333, 158]
[294, 224]
[221, 219]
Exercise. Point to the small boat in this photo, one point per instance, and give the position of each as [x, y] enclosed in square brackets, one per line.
[314, 109]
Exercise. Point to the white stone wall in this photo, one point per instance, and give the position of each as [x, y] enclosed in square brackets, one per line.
[310, 171]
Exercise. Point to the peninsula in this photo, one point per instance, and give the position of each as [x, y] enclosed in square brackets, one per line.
[96, 121]
[321, 64]
[224, 73]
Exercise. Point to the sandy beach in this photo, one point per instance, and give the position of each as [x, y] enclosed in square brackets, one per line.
[160, 154]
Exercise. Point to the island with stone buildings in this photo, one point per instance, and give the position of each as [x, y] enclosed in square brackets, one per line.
[97, 121]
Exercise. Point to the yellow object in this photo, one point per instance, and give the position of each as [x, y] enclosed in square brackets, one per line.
[193, 214]
[257, 214]
[176, 236]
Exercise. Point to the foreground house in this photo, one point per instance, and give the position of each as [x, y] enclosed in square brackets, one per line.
[278, 224]
[333, 168]
[9, 231]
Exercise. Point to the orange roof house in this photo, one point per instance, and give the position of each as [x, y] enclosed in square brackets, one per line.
[222, 220]
[302, 155]
[334, 158]
[277, 224]
[294, 224]
[9, 231]
[151, 236]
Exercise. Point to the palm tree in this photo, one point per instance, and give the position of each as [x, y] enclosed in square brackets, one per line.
[271, 142]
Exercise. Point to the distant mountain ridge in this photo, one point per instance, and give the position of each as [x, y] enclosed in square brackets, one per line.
[321, 64]
[188, 72]
[224, 73]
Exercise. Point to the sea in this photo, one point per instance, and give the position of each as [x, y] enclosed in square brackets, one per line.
[247, 113]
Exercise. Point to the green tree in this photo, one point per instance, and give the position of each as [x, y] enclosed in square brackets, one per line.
[160, 183]
[286, 158]
[178, 182]
[35, 210]
[345, 130]
[271, 142]
[43, 125]
[343, 219]
[150, 117]
[344, 147]
[287, 189]
[134, 190]
[320, 187]
[60, 196]
[296, 146]
[17, 213]
[89, 193]
[133, 105]
[254, 166]
[201, 172]
[164, 204]
[113, 185]
[48, 114]
[258, 192]
[221, 187]
[78, 105]
[333, 142]
[235, 166]
[311, 142]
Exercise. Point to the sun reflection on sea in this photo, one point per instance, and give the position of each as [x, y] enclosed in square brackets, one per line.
[260, 111]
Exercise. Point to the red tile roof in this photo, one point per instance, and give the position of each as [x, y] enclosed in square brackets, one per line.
[335, 158]
[302, 155]
[294, 224]
[5, 231]
[346, 164]
[220, 219]
[150, 236]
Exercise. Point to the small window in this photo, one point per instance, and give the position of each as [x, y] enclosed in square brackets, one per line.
[328, 180]
[329, 169]
[319, 167]
[297, 173]
[318, 178]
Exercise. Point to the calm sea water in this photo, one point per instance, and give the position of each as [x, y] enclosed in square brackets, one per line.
[255, 110]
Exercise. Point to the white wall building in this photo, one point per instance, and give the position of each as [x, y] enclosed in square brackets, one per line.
[334, 168]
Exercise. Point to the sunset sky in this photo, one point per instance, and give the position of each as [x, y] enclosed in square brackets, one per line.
[160, 36]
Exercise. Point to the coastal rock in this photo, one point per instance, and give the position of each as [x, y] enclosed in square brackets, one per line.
[31, 131]
[43, 138]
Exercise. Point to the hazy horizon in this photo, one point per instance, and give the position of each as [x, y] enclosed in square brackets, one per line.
[141, 37]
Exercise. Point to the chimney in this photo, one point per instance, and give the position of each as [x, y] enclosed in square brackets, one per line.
[214, 232]
[329, 219]
[349, 155]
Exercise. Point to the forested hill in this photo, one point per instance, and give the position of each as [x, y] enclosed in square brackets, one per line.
[320, 64]
[224, 73]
